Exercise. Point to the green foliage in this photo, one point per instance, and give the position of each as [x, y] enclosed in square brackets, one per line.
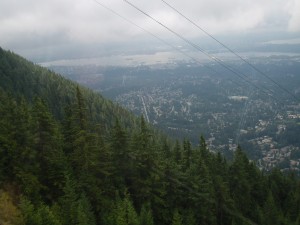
[272, 215]
[124, 212]
[9, 212]
[67, 151]
[68, 201]
[84, 212]
[41, 215]
[146, 217]
[177, 219]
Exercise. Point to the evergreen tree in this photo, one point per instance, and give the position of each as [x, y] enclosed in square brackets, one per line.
[124, 213]
[177, 219]
[271, 213]
[204, 152]
[201, 194]
[187, 154]
[41, 215]
[51, 158]
[120, 154]
[239, 186]
[189, 217]
[46, 217]
[84, 213]
[142, 175]
[8, 144]
[166, 151]
[68, 202]
[146, 217]
[177, 152]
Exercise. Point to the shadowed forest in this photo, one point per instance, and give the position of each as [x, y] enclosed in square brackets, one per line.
[69, 156]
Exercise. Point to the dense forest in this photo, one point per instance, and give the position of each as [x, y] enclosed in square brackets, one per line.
[69, 156]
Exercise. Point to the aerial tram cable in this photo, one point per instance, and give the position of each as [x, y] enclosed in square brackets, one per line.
[148, 32]
[232, 51]
[157, 170]
[237, 55]
[216, 59]
[166, 43]
[175, 48]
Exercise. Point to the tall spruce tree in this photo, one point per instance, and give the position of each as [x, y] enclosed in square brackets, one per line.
[51, 158]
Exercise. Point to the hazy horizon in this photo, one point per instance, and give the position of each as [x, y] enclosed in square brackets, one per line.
[66, 30]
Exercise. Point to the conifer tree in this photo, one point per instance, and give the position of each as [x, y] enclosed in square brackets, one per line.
[239, 185]
[271, 213]
[166, 151]
[146, 217]
[48, 142]
[68, 202]
[120, 152]
[177, 152]
[8, 145]
[187, 154]
[177, 219]
[85, 156]
[189, 217]
[84, 213]
[124, 213]
[41, 215]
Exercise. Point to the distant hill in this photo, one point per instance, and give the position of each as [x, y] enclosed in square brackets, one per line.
[69, 156]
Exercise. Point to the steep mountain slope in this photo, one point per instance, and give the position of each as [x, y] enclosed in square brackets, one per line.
[22, 78]
[68, 156]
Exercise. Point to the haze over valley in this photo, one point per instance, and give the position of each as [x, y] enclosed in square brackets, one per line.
[186, 99]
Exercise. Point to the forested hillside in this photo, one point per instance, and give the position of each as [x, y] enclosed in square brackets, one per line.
[68, 156]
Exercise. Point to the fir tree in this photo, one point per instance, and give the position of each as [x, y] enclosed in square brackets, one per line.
[146, 217]
[177, 219]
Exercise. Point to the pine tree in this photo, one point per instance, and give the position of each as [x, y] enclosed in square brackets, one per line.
[46, 217]
[177, 219]
[48, 142]
[124, 213]
[85, 215]
[187, 154]
[80, 110]
[28, 213]
[239, 185]
[203, 148]
[177, 152]
[146, 217]
[41, 215]
[120, 153]
[271, 213]
[189, 217]
[201, 194]
[85, 155]
[8, 145]
[166, 152]
[68, 202]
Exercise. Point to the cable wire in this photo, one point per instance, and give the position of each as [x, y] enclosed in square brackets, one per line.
[232, 51]
[148, 32]
[161, 40]
[216, 59]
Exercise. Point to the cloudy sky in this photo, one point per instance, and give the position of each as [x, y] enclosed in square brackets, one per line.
[62, 29]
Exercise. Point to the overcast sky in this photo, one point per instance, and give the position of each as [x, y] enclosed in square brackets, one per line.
[57, 29]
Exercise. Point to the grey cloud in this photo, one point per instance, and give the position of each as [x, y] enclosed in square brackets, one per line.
[72, 27]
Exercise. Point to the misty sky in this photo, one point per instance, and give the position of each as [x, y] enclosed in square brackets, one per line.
[61, 29]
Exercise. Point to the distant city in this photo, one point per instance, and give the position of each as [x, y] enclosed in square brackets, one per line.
[186, 99]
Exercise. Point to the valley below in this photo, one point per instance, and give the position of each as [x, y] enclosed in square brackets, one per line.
[187, 100]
